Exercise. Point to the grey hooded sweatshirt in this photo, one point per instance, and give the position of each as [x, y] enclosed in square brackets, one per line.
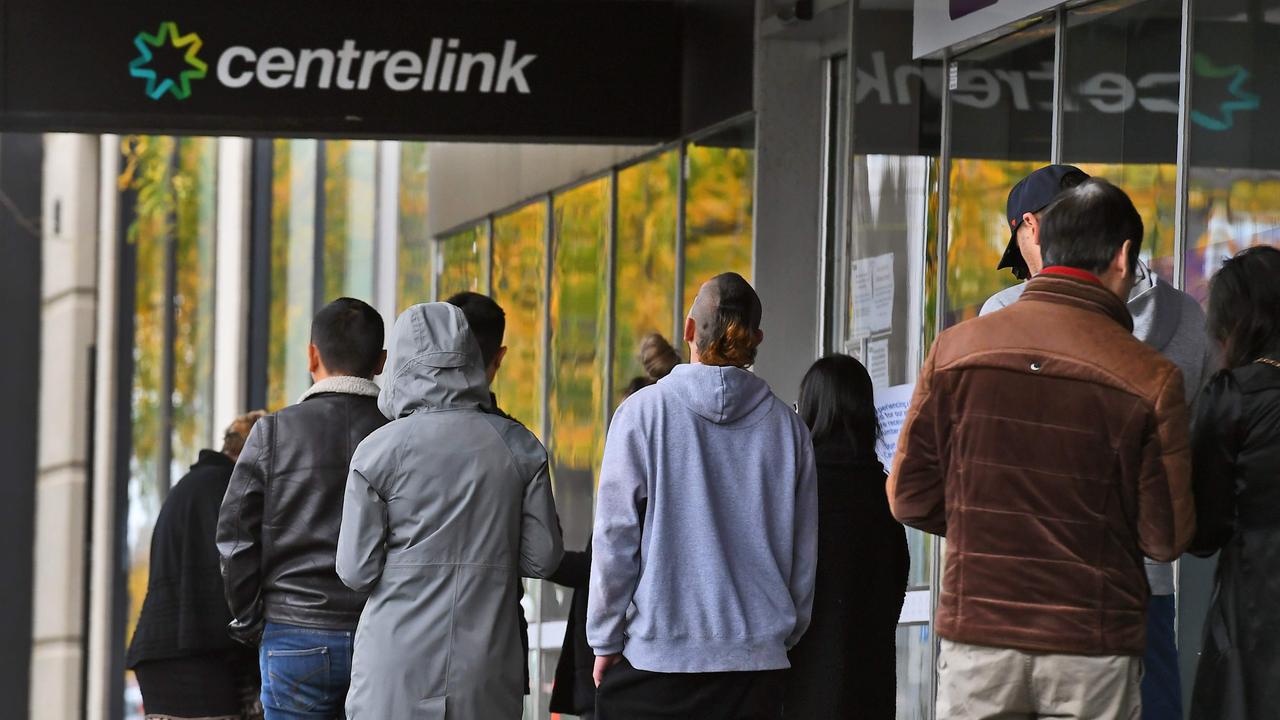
[706, 527]
[1173, 323]
[444, 506]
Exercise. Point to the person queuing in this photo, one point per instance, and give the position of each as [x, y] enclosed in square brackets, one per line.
[1164, 318]
[844, 666]
[705, 539]
[1236, 451]
[444, 506]
[1049, 446]
[186, 663]
[574, 690]
[278, 527]
[488, 323]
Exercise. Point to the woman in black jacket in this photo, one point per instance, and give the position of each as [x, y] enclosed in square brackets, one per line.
[1236, 478]
[844, 666]
[186, 663]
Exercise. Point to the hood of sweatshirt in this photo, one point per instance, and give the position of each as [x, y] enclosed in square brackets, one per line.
[1156, 309]
[433, 363]
[723, 395]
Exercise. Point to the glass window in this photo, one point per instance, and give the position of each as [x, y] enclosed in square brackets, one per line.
[169, 190]
[293, 263]
[193, 237]
[718, 207]
[519, 286]
[1107, 129]
[579, 316]
[1002, 124]
[463, 262]
[915, 671]
[646, 272]
[1234, 175]
[415, 257]
[350, 186]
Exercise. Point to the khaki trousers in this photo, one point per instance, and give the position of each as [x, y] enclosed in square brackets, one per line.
[982, 683]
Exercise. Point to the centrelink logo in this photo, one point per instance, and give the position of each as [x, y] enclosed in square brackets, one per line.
[444, 68]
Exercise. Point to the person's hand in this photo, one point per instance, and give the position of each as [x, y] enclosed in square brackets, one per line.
[603, 663]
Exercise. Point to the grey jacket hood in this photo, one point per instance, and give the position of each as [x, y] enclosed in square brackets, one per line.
[723, 395]
[433, 363]
[1156, 307]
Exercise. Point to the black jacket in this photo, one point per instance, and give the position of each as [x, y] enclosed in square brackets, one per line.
[574, 692]
[184, 613]
[278, 529]
[844, 666]
[1236, 475]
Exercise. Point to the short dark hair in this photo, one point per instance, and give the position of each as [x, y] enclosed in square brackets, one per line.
[837, 403]
[349, 334]
[1244, 306]
[1085, 225]
[487, 320]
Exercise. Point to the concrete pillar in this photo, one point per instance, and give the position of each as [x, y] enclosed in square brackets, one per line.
[231, 321]
[67, 320]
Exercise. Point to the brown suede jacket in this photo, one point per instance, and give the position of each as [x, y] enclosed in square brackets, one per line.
[1050, 448]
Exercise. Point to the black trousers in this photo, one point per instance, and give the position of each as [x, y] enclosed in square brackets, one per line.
[631, 694]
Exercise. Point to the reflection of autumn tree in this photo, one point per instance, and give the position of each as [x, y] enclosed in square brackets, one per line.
[1228, 210]
[292, 258]
[579, 314]
[462, 258]
[1154, 191]
[718, 214]
[519, 276]
[415, 254]
[172, 184]
[349, 198]
[646, 273]
[979, 232]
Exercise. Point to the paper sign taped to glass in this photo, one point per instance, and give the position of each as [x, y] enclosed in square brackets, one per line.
[872, 281]
[891, 409]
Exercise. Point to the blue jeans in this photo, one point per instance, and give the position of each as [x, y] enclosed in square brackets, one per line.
[1162, 684]
[305, 672]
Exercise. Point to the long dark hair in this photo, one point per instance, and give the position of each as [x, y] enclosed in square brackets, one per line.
[1244, 306]
[837, 403]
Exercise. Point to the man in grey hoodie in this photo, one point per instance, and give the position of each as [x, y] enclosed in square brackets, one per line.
[1168, 320]
[705, 538]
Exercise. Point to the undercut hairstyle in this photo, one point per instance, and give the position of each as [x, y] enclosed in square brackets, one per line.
[727, 315]
[238, 432]
[487, 320]
[837, 403]
[1244, 306]
[349, 335]
[1084, 227]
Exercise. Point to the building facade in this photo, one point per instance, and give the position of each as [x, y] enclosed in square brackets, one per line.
[859, 182]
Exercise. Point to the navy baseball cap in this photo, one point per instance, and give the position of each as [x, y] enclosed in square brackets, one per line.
[1031, 195]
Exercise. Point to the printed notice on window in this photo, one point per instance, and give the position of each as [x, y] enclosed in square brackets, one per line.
[872, 284]
[891, 408]
[878, 362]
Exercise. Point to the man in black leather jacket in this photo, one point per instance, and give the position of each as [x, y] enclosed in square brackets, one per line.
[278, 527]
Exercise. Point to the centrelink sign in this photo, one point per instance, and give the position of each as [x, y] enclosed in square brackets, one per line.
[453, 69]
[445, 67]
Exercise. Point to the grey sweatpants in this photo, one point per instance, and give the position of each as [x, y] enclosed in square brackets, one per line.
[983, 683]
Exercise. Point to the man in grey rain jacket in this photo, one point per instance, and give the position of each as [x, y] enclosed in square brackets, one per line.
[1164, 318]
[706, 531]
[444, 507]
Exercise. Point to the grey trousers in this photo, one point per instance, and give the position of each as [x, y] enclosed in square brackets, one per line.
[982, 683]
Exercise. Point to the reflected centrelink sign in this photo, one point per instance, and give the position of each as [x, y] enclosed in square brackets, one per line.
[940, 24]
[570, 69]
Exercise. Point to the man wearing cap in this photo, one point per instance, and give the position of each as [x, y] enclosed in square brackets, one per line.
[1166, 319]
[705, 543]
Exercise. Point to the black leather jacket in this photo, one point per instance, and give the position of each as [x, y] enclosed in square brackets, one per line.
[278, 527]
